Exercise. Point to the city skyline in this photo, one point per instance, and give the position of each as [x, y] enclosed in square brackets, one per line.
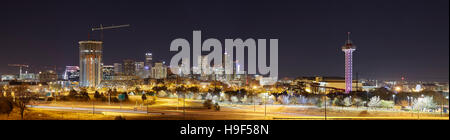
[401, 47]
[225, 60]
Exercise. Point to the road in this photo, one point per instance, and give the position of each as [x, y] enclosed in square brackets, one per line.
[172, 110]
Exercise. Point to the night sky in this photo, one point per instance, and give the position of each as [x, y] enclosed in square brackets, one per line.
[394, 38]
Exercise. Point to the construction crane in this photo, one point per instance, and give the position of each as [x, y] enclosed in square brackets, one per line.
[20, 67]
[101, 28]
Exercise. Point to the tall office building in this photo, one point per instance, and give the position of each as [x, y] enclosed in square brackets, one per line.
[118, 69]
[139, 65]
[140, 70]
[148, 60]
[129, 67]
[48, 76]
[348, 49]
[148, 64]
[72, 73]
[108, 72]
[90, 63]
[159, 71]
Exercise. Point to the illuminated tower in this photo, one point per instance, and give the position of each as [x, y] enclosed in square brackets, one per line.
[148, 64]
[90, 63]
[348, 49]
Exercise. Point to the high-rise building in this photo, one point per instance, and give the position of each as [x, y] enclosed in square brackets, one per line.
[139, 65]
[29, 77]
[206, 69]
[148, 64]
[9, 77]
[129, 67]
[108, 72]
[48, 76]
[72, 73]
[348, 49]
[118, 69]
[90, 63]
[159, 71]
[148, 60]
[140, 70]
[228, 59]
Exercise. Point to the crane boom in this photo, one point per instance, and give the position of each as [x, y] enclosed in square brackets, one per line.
[110, 27]
[18, 65]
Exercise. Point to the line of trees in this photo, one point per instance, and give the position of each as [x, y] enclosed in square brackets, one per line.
[21, 99]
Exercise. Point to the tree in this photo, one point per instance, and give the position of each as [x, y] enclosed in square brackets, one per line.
[1, 91]
[234, 99]
[114, 92]
[319, 102]
[337, 102]
[143, 97]
[383, 93]
[6, 105]
[424, 103]
[403, 103]
[97, 95]
[208, 104]
[22, 98]
[374, 102]
[73, 93]
[126, 96]
[347, 102]
[217, 106]
[193, 89]
[137, 90]
[154, 100]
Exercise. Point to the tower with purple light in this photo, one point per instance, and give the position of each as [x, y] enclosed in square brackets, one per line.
[348, 49]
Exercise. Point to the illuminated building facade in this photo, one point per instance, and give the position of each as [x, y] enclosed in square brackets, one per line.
[129, 67]
[148, 64]
[108, 72]
[48, 76]
[140, 70]
[159, 71]
[118, 69]
[90, 63]
[72, 73]
[348, 49]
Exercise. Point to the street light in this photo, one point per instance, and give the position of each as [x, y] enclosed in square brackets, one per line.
[393, 98]
[398, 89]
[409, 100]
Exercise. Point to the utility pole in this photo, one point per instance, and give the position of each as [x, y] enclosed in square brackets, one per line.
[325, 107]
[265, 106]
[357, 82]
[93, 108]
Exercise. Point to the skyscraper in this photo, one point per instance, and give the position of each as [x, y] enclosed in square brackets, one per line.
[140, 70]
[348, 49]
[48, 76]
[90, 63]
[118, 69]
[148, 60]
[72, 73]
[159, 71]
[148, 64]
[108, 72]
[129, 67]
